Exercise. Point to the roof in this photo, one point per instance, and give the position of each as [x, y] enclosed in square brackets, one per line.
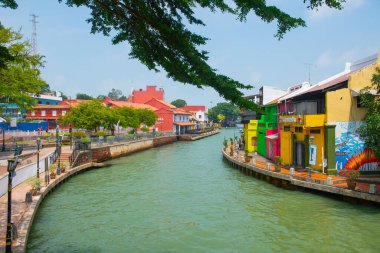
[184, 123]
[194, 108]
[179, 111]
[329, 83]
[73, 101]
[119, 103]
[305, 87]
[51, 106]
[195, 119]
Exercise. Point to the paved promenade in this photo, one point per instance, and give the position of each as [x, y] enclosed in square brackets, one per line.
[317, 181]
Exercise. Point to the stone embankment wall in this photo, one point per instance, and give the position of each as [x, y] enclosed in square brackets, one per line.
[101, 154]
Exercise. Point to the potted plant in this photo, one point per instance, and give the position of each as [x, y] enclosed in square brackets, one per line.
[225, 143]
[351, 177]
[35, 183]
[64, 166]
[246, 157]
[278, 163]
[52, 169]
[231, 150]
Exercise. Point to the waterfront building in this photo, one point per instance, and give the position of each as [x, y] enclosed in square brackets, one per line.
[323, 118]
[199, 114]
[142, 96]
[171, 118]
[256, 125]
[49, 113]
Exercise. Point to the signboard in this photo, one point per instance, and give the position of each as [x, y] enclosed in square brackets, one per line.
[296, 119]
[13, 122]
[312, 154]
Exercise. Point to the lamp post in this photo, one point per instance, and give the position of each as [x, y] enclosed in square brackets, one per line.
[12, 164]
[3, 131]
[38, 156]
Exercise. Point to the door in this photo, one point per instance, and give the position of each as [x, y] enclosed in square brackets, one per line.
[299, 154]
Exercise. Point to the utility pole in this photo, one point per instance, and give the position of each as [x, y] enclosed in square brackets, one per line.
[33, 40]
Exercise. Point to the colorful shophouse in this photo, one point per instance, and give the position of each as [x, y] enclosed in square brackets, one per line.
[320, 131]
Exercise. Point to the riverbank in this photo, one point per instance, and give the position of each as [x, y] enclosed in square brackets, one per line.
[23, 213]
[334, 186]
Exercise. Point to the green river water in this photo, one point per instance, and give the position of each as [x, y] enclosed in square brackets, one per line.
[184, 198]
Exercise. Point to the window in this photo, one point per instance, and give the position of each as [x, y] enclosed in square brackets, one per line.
[54, 113]
[63, 113]
[315, 131]
[286, 128]
[33, 114]
[200, 116]
[43, 113]
[39, 102]
[48, 103]
[299, 130]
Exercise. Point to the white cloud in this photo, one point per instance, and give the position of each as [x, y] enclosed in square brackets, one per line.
[325, 12]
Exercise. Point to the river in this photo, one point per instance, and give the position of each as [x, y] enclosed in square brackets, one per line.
[184, 198]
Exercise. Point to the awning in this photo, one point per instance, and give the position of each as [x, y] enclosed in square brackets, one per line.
[184, 123]
[272, 136]
[356, 93]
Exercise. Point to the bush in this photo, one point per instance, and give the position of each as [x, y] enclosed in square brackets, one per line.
[131, 132]
[78, 135]
[47, 135]
[144, 129]
[85, 140]
[100, 133]
[111, 138]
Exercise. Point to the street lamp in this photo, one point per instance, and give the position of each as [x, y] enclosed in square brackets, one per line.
[3, 131]
[12, 164]
[38, 156]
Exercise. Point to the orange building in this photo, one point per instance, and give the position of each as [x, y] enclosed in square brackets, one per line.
[143, 96]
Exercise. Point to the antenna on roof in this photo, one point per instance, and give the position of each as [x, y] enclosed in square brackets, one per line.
[309, 70]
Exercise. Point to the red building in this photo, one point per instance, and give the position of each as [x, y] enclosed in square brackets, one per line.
[142, 96]
[49, 113]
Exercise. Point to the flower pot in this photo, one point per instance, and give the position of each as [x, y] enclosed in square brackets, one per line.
[52, 175]
[351, 185]
[277, 168]
[34, 192]
[247, 159]
[63, 170]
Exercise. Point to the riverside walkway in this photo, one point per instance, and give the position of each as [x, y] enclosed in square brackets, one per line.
[265, 169]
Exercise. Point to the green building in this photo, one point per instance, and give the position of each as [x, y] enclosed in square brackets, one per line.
[266, 122]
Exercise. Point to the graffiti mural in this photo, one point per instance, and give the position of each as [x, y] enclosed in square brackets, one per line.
[350, 150]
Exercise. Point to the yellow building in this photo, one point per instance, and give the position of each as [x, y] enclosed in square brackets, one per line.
[302, 140]
[322, 132]
[250, 136]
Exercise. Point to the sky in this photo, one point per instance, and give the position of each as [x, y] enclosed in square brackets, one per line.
[80, 62]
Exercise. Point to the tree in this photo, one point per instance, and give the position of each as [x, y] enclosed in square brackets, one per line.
[160, 39]
[128, 117]
[179, 103]
[146, 117]
[101, 97]
[123, 98]
[19, 70]
[84, 96]
[370, 130]
[90, 115]
[63, 96]
[115, 94]
[229, 111]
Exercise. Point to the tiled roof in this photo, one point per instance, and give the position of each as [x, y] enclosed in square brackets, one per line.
[194, 108]
[166, 103]
[179, 111]
[119, 103]
[51, 107]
